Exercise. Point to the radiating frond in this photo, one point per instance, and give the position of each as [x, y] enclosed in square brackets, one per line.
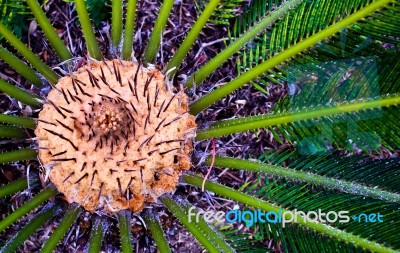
[227, 10]
[360, 39]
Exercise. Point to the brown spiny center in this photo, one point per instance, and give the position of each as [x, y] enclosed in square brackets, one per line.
[115, 136]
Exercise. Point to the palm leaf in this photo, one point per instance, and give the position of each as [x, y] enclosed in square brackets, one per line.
[227, 10]
[359, 39]
[293, 195]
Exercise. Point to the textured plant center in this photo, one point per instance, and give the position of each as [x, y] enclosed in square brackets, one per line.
[115, 136]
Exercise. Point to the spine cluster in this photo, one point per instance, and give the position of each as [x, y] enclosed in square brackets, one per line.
[114, 137]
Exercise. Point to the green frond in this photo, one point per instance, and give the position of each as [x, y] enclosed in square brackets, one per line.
[233, 48]
[116, 22]
[69, 218]
[260, 69]
[13, 187]
[349, 186]
[44, 216]
[158, 29]
[227, 10]
[27, 207]
[294, 238]
[49, 31]
[17, 186]
[266, 206]
[252, 14]
[205, 235]
[96, 236]
[191, 37]
[19, 66]
[317, 127]
[129, 30]
[242, 241]
[17, 155]
[157, 232]
[332, 85]
[359, 39]
[11, 132]
[380, 173]
[14, 14]
[125, 232]
[38, 64]
[17, 121]
[308, 197]
[19, 94]
[91, 42]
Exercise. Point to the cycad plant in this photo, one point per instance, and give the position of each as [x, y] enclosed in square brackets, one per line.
[116, 136]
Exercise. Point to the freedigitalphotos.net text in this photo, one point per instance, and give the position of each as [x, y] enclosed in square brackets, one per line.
[249, 217]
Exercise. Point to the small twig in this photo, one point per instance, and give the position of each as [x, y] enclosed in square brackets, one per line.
[211, 165]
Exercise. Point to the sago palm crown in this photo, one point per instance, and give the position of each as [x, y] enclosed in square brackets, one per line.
[116, 132]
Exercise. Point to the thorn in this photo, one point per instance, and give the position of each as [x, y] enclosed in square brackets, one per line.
[62, 137]
[120, 188]
[63, 159]
[60, 153]
[103, 77]
[116, 92]
[126, 147]
[147, 140]
[139, 160]
[65, 126]
[82, 91]
[165, 152]
[46, 122]
[80, 100]
[148, 103]
[146, 85]
[65, 109]
[169, 103]
[156, 95]
[94, 173]
[93, 80]
[74, 86]
[65, 96]
[158, 114]
[133, 107]
[162, 142]
[130, 87]
[72, 173]
[172, 121]
[159, 124]
[80, 179]
[134, 130]
[83, 166]
[117, 74]
[112, 147]
[57, 109]
[72, 97]
[118, 163]
[101, 188]
[152, 152]
[121, 100]
[80, 82]
[136, 74]
[129, 184]
[147, 120]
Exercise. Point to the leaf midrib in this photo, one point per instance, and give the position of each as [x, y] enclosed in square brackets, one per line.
[226, 127]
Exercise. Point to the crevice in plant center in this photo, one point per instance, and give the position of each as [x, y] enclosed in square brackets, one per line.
[114, 136]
